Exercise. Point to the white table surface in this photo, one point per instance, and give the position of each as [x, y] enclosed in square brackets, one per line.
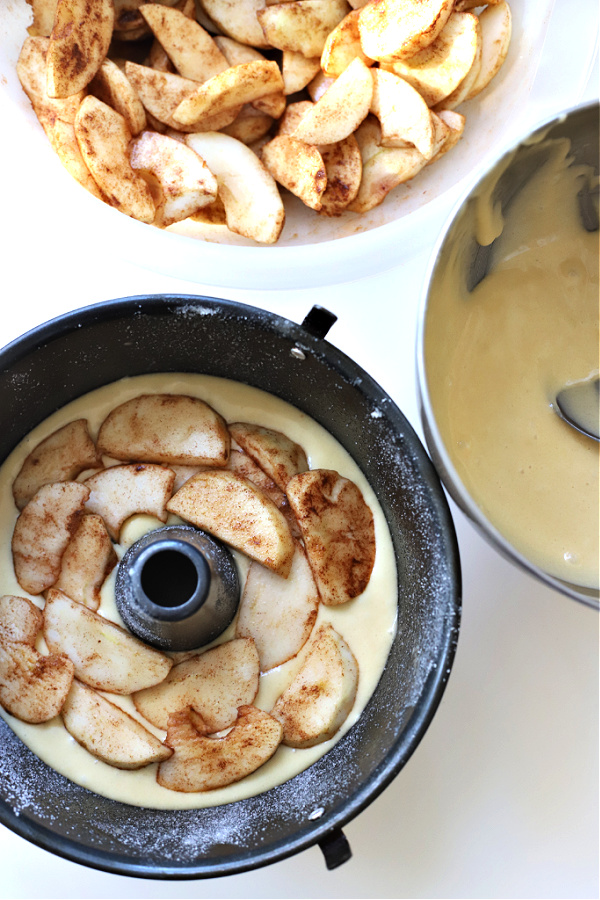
[501, 798]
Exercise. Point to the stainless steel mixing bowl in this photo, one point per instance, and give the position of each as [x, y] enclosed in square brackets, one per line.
[506, 176]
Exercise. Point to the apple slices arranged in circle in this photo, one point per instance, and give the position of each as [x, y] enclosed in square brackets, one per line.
[308, 535]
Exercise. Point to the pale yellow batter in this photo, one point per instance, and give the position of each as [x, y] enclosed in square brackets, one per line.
[368, 623]
[496, 358]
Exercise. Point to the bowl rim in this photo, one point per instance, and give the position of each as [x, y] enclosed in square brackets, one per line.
[435, 444]
[318, 831]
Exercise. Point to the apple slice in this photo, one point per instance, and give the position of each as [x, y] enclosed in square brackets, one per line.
[191, 49]
[338, 531]
[165, 428]
[108, 732]
[403, 114]
[183, 474]
[297, 166]
[397, 29]
[44, 12]
[297, 71]
[20, 619]
[271, 104]
[237, 512]
[455, 122]
[437, 70]
[383, 168]
[181, 182]
[301, 26]
[341, 109]
[293, 115]
[55, 116]
[230, 89]
[214, 684]
[319, 85]
[33, 687]
[105, 656]
[111, 85]
[88, 560]
[321, 695]
[119, 492]
[342, 46]
[249, 193]
[79, 42]
[277, 614]
[275, 453]
[237, 20]
[343, 164]
[250, 125]
[460, 93]
[162, 92]
[243, 465]
[201, 763]
[42, 532]
[103, 138]
[495, 23]
[62, 456]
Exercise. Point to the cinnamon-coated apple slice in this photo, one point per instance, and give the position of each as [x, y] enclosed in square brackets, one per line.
[62, 456]
[239, 84]
[44, 12]
[108, 732]
[191, 49]
[236, 20]
[338, 530]
[103, 136]
[297, 166]
[88, 560]
[111, 85]
[341, 109]
[214, 683]
[320, 697]
[278, 614]
[105, 656]
[33, 687]
[297, 71]
[397, 29]
[79, 42]
[181, 182]
[301, 27]
[437, 70]
[273, 451]
[42, 532]
[119, 492]
[271, 105]
[20, 619]
[243, 464]
[162, 92]
[202, 763]
[165, 428]
[56, 116]
[240, 514]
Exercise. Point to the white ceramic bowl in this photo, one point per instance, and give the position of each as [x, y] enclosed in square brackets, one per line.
[313, 249]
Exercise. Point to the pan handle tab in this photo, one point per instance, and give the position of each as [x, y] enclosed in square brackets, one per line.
[335, 848]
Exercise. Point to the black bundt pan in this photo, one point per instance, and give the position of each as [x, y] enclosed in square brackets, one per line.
[90, 347]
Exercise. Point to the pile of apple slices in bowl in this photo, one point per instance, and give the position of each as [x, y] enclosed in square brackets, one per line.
[308, 536]
[336, 102]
